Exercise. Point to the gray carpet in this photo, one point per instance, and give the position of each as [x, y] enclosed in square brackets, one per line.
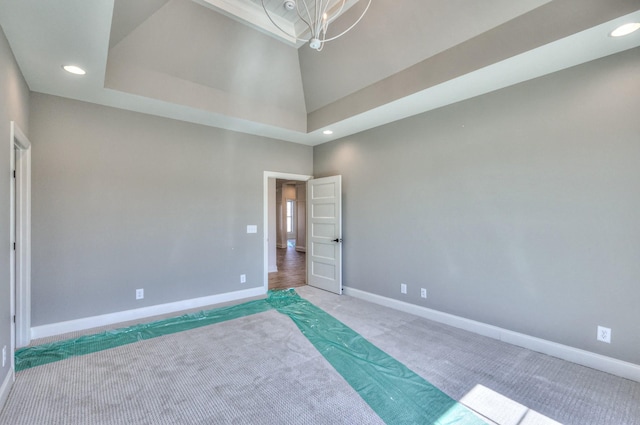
[456, 361]
[255, 370]
[261, 370]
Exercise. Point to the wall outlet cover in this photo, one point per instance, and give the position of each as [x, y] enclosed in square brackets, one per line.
[604, 334]
[139, 294]
[423, 293]
[403, 288]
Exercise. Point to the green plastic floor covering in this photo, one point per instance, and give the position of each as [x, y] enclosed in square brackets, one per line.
[394, 392]
[47, 353]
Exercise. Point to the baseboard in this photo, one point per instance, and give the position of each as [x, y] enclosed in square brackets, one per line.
[301, 248]
[565, 352]
[273, 269]
[281, 246]
[140, 313]
[5, 389]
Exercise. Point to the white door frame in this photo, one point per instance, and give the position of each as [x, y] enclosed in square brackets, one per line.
[20, 283]
[265, 224]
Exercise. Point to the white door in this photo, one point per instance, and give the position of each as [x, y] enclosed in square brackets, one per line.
[324, 233]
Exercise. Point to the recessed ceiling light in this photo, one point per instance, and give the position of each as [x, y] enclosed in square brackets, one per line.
[327, 132]
[625, 29]
[74, 69]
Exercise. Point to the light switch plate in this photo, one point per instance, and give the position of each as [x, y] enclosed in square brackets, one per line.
[252, 228]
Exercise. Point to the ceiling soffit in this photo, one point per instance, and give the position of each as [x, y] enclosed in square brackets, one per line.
[128, 16]
[187, 54]
[178, 59]
[527, 32]
[190, 55]
[394, 36]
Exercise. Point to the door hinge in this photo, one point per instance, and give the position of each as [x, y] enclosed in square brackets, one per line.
[14, 174]
[14, 318]
[14, 246]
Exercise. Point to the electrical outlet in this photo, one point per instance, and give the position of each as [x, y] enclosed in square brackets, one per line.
[243, 278]
[403, 288]
[423, 292]
[139, 294]
[4, 355]
[604, 334]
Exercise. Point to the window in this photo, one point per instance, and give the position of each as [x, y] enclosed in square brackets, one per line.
[289, 216]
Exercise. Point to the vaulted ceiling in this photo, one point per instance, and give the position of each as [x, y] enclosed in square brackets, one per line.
[215, 63]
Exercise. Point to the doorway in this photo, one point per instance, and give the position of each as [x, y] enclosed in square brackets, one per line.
[20, 261]
[290, 228]
[285, 230]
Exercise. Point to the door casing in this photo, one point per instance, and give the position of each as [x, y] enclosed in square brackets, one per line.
[265, 225]
[20, 292]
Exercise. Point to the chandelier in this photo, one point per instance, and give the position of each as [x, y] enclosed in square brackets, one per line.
[316, 15]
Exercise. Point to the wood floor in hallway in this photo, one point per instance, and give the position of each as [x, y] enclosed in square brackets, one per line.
[291, 269]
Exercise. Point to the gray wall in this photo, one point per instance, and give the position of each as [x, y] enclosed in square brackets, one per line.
[14, 106]
[123, 200]
[518, 208]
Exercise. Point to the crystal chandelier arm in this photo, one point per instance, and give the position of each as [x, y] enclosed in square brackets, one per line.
[278, 26]
[349, 29]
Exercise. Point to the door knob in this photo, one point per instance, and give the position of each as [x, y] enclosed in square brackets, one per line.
[337, 240]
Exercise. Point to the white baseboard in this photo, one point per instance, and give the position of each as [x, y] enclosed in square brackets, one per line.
[140, 313]
[301, 248]
[5, 389]
[273, 269]
[565, 352]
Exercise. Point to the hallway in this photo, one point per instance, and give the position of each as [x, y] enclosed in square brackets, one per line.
[291, 268]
